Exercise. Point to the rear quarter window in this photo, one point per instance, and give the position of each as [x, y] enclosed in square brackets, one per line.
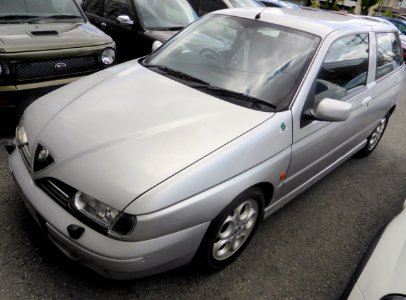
[389, 53]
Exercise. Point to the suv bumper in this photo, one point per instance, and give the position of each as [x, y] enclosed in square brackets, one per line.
[38, 85]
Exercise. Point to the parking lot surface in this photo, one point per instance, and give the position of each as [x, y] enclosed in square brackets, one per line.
[307, 250]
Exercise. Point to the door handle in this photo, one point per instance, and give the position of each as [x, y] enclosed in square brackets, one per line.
[103, 25]
[366, 100]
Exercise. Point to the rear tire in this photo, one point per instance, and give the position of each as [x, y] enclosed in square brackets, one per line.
[374, 138]
[230, 232]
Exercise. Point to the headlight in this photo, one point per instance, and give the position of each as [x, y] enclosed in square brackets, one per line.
[105, 217]
[21, 136]
[108, 56]
[394, 297]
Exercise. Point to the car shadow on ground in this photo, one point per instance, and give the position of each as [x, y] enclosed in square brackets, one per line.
[10, 116]
[8, 122]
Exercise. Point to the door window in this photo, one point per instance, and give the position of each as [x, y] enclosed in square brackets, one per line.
[115, 8]
[344, 68]
[93, 7]
[389, 53]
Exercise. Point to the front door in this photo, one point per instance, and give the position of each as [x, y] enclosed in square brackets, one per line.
[318, 145]
[104, 14]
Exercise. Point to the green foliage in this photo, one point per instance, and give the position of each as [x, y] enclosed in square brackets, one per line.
[388, 13]
[315, 4]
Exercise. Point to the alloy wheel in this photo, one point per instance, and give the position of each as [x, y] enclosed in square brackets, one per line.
[377, 134]
[235, 230]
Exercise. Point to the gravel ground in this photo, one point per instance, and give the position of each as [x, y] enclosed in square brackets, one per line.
[307, 250]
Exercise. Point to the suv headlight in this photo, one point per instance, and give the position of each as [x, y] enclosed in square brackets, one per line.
[4, 71]
[108, 56]
[103, 216]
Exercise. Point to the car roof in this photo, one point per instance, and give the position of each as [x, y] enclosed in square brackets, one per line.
[278, 1]
[380, 20]
[314, 21]
[281, 3]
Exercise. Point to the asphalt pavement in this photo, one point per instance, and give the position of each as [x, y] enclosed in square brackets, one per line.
[307, 250]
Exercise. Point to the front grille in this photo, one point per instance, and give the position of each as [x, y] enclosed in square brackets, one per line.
[25, 153]
[43, 158]
[57, 190]
[55, 68]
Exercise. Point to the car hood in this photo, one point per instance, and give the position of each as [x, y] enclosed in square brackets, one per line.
[385, 270]
[49, 36]
[161, 35]
[131, 131]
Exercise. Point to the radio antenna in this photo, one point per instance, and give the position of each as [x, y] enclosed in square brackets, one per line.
[258, 16]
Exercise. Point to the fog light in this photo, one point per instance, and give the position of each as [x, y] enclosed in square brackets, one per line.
[75, 231]
[10, 147]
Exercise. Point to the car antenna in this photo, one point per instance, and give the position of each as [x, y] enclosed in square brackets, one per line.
[258, 16]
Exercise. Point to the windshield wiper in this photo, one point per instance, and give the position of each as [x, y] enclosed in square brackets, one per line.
[174, 28]
[177, 74]
[235, 95]
[58, 17]
[168, 28]
[16, 18]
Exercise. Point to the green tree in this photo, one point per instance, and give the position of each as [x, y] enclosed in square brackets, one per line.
[332, 4]
[366, 4]
[362, 7]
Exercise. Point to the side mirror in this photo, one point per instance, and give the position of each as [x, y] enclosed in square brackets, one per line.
[124, 20]
[156, 45]
[332, 110]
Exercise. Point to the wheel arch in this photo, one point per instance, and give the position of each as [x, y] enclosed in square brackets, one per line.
[391, 111]
[267, 189]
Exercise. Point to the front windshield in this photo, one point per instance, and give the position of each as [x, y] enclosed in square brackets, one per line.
[244, 3]
[246, 56]
[164, 14]
[23, 10]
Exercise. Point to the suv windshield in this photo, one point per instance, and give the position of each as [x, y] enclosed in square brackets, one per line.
[29, 10]
[259, 60]
[166, 14]
[244, 3]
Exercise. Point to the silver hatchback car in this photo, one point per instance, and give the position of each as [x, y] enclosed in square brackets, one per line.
[178, 156]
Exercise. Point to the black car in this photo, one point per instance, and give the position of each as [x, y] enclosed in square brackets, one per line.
[205, 6]
[135, 24]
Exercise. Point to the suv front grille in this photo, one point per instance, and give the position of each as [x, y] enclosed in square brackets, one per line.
[55, 68]
[57, 190]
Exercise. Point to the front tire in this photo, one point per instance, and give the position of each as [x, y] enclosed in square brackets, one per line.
[230, 232]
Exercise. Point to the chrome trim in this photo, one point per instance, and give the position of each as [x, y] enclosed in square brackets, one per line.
[58, 189]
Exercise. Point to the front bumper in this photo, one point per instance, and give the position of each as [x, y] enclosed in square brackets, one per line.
[109, 257]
